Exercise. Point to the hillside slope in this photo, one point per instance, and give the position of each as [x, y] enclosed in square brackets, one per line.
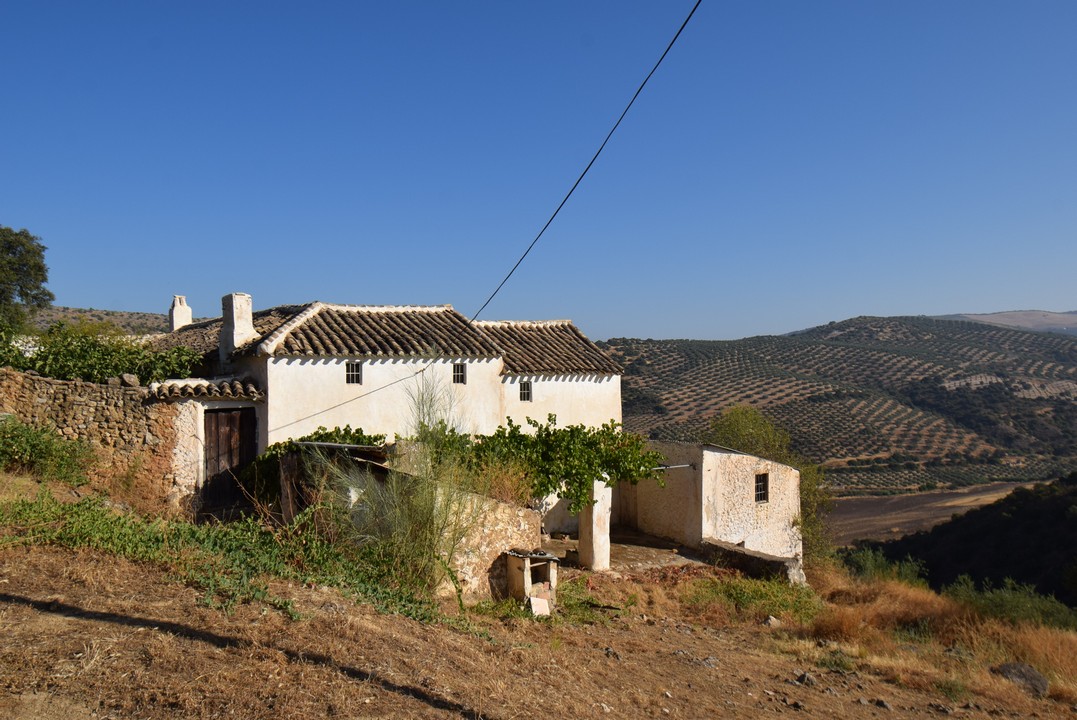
[1029, 536]
[886, 404]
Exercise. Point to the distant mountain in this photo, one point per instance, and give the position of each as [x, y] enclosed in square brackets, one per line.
[886, 404]
[1064, 323]
[134, 323]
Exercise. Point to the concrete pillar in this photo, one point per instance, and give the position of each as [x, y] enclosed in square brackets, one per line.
[594, 545]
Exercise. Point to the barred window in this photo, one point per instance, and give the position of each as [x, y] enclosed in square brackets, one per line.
[762, 488]
[525, 391]
[353, 372]
[459, 373]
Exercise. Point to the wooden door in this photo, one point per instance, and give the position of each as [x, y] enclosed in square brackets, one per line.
[230, 447]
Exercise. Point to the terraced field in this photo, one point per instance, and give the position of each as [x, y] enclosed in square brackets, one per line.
[886, 404]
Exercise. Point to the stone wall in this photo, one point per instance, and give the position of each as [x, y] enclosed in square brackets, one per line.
[496, 527]
[133, 436]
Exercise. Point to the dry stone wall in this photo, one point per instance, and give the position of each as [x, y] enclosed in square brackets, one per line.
[478, 562]
[133, 436]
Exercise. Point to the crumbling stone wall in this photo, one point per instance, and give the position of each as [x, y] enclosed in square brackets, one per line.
[133, 436]
[479, 564]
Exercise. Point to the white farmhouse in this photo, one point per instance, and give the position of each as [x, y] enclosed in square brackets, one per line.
[718, 498]
[280, 373]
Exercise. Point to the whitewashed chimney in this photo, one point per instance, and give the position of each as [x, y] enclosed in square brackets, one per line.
[237, 327]
[179, 314]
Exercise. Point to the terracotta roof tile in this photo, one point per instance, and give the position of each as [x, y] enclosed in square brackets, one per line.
[540, 347]
[377, 331]
[203, 336]
[547, 347]
[229, 389]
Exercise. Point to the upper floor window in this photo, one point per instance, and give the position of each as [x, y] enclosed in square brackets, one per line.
[459, 373]
[525, 391]
[762, 488]
[353, 372]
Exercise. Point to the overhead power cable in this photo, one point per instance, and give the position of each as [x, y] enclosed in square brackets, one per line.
[474, 317]
[597, 153]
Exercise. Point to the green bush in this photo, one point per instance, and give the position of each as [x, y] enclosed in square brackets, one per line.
[229, 563]
[1013, 602]
[869, 563]
[261, 479]
[94, 353]
[42, 453]
[755, 599]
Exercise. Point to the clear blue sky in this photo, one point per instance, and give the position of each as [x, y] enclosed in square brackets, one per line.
[791, 163]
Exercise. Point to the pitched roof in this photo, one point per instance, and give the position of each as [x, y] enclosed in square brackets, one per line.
[379, 331]
[323, 329]
[203, 336]
[547, 347]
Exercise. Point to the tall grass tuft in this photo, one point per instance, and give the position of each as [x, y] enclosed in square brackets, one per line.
[750, 599]
[43, 453]
[1013, 602]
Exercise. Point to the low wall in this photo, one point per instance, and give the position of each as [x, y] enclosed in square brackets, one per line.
[752, 562]
[134, 438]
[479, 563]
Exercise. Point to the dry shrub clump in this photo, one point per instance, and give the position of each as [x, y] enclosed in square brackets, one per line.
[874, 619]
[1052, 651]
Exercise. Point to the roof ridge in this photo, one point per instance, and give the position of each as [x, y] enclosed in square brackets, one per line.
[269, 345]
[387, 308]
[509, 323]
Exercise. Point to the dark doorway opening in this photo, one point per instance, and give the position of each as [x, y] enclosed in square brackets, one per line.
[231, 445]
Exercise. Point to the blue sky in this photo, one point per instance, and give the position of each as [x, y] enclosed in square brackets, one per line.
[790, 163]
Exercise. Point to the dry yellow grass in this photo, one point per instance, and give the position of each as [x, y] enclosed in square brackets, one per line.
[919, 639]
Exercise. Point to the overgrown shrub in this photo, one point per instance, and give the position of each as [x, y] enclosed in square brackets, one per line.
[567, 460]
[261, 479]
[869, 563]
[1013, 602]
[42, 452]
[752, 599]
[93, 352]
[229, 563]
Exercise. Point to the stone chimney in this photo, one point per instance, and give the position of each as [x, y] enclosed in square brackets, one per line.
[237, 327]
[179, 315]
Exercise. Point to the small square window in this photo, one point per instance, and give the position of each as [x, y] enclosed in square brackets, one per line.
[525, 391]
[353, 373]
[762, 488]
[459, 374]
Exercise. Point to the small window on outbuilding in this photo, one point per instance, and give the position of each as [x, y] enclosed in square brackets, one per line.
[353, 372]
[762, 488]
[525, 391]
[459, 374]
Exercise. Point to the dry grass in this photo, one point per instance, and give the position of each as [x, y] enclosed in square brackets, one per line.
[919, 639]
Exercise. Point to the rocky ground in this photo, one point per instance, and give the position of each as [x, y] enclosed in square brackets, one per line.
[87, 635]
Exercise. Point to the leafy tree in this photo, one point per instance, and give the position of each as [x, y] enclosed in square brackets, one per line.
[746, 429]
[93, 352]
[23, 275]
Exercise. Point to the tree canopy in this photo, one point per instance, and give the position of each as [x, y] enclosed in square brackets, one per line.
[23, 275]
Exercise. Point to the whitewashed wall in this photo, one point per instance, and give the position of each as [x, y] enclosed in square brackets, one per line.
[716, 499]
[730, 512]
[575, 399]
[305, 393]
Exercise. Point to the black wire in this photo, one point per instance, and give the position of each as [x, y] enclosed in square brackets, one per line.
[580, 178]
[533, 242]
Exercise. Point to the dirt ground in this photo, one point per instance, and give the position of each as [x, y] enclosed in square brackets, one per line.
[893, 516]
[83, 635]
